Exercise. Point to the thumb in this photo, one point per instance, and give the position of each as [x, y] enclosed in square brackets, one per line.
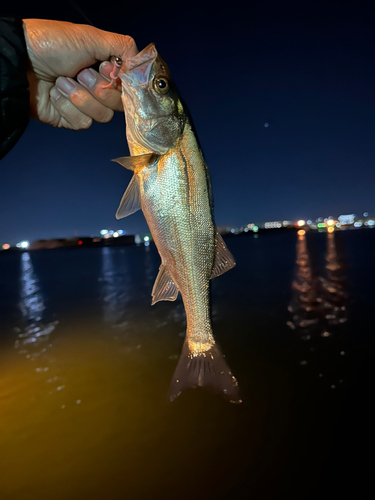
[103, 44]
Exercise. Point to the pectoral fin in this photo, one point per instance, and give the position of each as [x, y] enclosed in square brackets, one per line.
[136, 162]
[224, 260]
[131, 201]
[164, 288]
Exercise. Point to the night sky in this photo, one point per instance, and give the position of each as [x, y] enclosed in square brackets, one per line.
[305, 68]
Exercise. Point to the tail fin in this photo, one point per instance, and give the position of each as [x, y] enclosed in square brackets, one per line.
[208, 369]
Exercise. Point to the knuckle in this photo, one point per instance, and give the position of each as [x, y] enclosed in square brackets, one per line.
[131, 46]
[101, 93]
[79, 98]
[129, 40]
[80, 122]
[85, 122]
[64, 106]
[106, 116]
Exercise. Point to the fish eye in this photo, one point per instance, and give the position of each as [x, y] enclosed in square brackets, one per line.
[161, 85]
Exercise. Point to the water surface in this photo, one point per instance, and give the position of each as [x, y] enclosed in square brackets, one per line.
[86, 363]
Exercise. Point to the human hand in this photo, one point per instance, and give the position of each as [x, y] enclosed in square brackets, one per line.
[58, 52]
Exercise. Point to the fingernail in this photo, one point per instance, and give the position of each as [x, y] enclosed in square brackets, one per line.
[105, 68]
[87, 77]
[54, 93]
[66, 85]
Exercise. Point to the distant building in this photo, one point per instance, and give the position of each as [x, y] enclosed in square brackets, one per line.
[288, 223]
[223, 229]
[346, 220]
[52, 243]
[81, 241]
[273, 224]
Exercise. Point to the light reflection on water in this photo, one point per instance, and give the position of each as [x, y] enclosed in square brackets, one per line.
[84, 410]
[32, 304]
[34, 340]
[318, 308]
[116, 287]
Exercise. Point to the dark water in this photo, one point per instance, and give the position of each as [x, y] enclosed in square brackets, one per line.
[86, 363]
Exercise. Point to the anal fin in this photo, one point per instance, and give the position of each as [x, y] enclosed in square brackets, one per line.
[224, 260]
[164, 287]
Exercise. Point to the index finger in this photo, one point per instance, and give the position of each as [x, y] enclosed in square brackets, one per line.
[94, 83]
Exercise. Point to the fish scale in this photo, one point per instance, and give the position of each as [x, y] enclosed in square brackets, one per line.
[172, 187]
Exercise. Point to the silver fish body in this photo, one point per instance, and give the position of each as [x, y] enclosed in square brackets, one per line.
[171, 185]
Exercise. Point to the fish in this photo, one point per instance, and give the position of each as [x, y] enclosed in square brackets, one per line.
[171, 185]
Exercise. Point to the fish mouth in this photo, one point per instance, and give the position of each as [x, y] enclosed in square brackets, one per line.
[138, 67]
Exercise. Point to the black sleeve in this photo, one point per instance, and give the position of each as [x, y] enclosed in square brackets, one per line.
[14, 94]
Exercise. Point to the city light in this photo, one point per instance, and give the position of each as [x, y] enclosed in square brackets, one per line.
[347, 219]
[111, 233]
[329, 224]
[23, 244]
[272, 225]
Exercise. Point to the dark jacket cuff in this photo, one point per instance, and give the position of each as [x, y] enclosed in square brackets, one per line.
[14, 94]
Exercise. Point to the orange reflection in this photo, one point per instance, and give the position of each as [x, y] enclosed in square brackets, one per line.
[318, 307]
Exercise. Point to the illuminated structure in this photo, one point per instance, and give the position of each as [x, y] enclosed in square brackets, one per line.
[109, 236]
[23, 244]
[346, 220]
[273, 225]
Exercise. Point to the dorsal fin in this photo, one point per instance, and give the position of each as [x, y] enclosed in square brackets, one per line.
[224, 260]
[131, 200]
[136, 162]
[164, 288]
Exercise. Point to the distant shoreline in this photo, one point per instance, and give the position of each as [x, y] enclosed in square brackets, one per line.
[99, 242]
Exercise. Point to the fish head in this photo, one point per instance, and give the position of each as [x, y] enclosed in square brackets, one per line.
[154, 113]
